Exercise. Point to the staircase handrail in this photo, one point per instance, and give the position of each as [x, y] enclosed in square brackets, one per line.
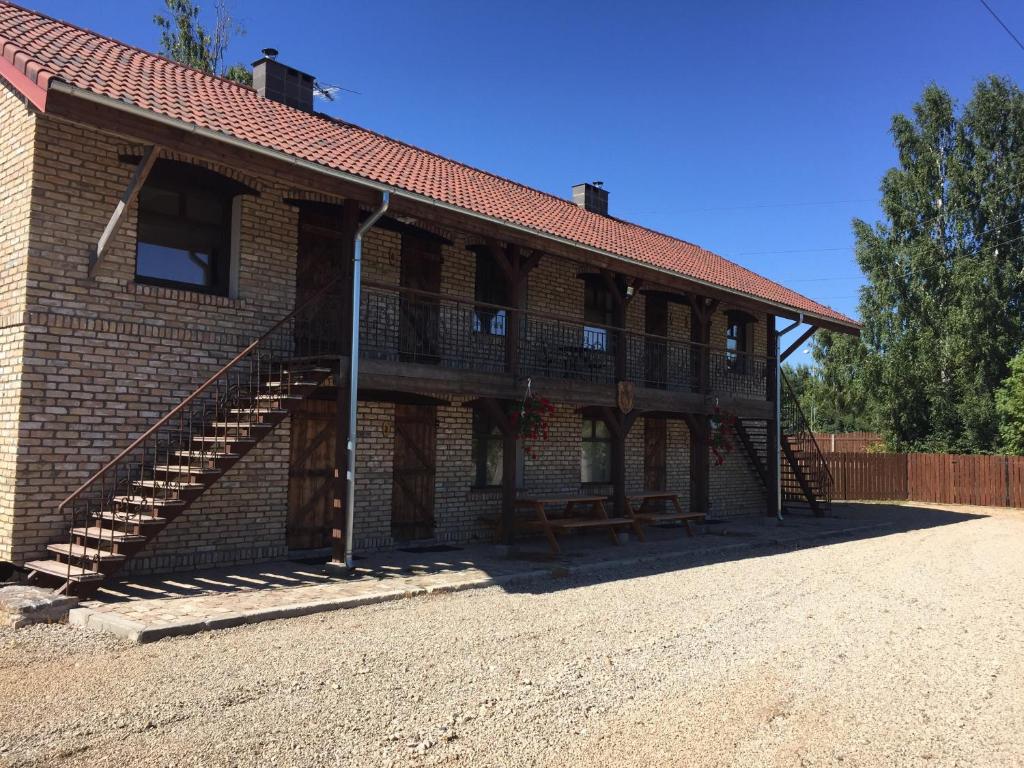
[319, 294]
[806, 432]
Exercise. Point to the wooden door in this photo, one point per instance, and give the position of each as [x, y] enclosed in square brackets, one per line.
[419, 315]
[310, 475]
[412, 496]
[655, 454]
[656, 349]
[322, 256]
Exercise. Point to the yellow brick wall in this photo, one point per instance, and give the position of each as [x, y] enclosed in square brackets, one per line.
[17, 132]
[105, 357]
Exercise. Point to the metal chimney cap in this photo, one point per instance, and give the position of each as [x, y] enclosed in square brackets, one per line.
[270, 53]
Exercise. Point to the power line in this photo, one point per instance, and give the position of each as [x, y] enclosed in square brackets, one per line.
[1003, 24]
[663, 212]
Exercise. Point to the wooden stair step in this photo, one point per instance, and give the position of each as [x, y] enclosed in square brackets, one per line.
[148, 501]
[222, 439]
[168, 485]
[258, 411]
[109, 535]
[241, 425]
[61, 570]
[131, 518]
[206, 455]
[185, 469]
[77, 551]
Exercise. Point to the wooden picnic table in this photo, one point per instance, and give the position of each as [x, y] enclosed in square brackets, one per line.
[569, 517]
[638, 505]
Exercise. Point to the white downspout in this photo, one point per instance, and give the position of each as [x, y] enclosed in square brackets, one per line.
[778, 412]
[353, 374]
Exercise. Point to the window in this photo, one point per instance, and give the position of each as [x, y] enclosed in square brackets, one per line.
[596, 452]
[487, 450]
[598, 307]
[737, 343]
[490, 289]
[184, 228]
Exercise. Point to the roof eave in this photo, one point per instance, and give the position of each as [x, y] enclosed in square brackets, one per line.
[781, 309]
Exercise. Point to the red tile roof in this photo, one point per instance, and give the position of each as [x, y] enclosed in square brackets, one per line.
[35, 49]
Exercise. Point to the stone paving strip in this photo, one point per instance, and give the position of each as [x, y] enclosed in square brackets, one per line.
[148, 609]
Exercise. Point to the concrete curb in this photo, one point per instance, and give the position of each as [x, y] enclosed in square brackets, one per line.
[138, 632]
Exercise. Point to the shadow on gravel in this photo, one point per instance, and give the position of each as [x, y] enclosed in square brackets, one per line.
[587, 558]
[596, 561]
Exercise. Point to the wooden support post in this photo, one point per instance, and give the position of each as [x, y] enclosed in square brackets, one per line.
[622, 293]
[131, 192]
[516, 269]
[701, 312]
[349, 226]
[771, 441]
[619, 424]
[700, 463]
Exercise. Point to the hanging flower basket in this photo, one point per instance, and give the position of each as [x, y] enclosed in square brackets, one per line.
[531, 422]
[721, 434]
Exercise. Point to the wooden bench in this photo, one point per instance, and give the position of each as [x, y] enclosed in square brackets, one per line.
[639, 510]
[595, 515]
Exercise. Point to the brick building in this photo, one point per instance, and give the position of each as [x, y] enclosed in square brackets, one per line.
[155, 221]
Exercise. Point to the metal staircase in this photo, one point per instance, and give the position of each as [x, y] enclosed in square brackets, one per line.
[132, 498]
[806, 479]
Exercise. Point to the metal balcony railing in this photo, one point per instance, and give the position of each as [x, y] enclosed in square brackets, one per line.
[414, 326]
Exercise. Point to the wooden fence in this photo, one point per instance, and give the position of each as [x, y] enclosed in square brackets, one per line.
[996, 481]
[846, 442]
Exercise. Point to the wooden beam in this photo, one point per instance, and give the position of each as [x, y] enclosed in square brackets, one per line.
[796, 344]
[129, 196]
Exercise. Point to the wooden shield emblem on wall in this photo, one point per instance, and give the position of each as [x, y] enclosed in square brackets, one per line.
[627, 393]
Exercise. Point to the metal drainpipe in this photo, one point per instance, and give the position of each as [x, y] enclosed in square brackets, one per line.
[353, 374]
[778, 413]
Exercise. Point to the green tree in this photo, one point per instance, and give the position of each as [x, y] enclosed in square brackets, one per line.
[1010, 407]
[942, 310]
[185, 40]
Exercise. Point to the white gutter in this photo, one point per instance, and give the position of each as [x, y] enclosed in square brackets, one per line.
[81, 93]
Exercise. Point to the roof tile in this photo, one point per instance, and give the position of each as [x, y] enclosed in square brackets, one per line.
[42, 47]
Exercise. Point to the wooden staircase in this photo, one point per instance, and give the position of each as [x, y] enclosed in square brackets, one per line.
[163, 488]
[131, 499]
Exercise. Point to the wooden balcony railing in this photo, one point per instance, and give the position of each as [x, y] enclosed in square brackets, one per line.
[414, 326]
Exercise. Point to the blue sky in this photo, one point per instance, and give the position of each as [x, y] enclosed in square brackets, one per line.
[756, 129]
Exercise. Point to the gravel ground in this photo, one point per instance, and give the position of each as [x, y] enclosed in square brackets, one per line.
[896, 650]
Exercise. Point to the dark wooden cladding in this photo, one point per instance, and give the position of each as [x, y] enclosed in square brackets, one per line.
[415, 463]
[655, 454]
[311, 475]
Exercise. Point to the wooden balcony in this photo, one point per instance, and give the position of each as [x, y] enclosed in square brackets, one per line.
[441, 339]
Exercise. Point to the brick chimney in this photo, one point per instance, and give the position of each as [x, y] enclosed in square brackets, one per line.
[592, 197]
[274, 80]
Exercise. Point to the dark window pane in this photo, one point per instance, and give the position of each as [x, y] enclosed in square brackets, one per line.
[173, 264]
[184, 228]
[595, 452]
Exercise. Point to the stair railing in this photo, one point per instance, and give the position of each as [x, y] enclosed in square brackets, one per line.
[796, 425]
[155, 472]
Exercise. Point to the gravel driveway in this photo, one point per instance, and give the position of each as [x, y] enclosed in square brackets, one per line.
[894, 650]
